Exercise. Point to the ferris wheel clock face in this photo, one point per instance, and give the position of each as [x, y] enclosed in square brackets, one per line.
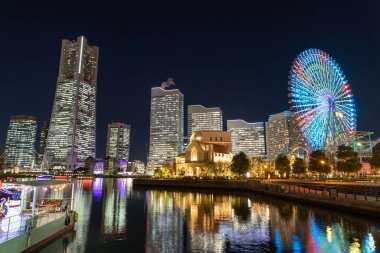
[320, 98]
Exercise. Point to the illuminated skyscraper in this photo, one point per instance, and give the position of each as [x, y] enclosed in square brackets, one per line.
[43, 137]
[21, 138]
[281, 134]
[247, 137]
[200, 118]
[166, 126]
[118, 139]
[71, 137]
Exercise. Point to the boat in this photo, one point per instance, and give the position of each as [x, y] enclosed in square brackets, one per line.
[45, 177]
[30, 225]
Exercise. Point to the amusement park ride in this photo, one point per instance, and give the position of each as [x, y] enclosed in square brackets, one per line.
[323, 106]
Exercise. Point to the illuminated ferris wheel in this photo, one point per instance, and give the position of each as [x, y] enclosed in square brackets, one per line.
[320, 97]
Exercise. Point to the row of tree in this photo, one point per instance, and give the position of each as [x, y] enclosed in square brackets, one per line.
[347, 162]
[319, 163]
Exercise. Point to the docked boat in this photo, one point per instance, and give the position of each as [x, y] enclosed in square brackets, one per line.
[45, 177]
[44, 212]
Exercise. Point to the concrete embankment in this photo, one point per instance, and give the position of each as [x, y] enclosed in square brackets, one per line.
[321, 198]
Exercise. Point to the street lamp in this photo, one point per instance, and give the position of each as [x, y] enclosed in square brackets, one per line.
[323, 165]
[360, 156]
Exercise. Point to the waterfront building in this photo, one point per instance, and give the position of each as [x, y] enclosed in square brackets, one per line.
[94, 166]
[136, 166]
[205, 147]
[200, 118]
[282, 135]
[71, 136]
[118, 139]
[247, 137]
[19, 147]
[166, 127]
[42, 143]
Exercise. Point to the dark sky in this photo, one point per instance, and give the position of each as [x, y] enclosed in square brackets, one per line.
[229, 55]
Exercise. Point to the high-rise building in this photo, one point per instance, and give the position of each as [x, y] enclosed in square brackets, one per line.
[42, 143]
[71, 137]
[200, 118]
[281, 134]
[19, 146]
[247, 137]
[118, 139]
[166, 127]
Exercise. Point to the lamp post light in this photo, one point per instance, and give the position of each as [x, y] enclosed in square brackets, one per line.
[359, 144]
[323, 162]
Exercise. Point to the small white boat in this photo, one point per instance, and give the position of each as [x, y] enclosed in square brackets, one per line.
[45, 177]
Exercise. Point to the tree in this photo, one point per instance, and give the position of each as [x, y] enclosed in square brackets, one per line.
[211, 168]
[240, 164]
[282, 164]
[164, 171]
[258, 167]
[319, 163]
[348, 159]
[375, 160]
[299, 166]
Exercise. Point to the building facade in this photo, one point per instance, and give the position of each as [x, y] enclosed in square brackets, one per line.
[20, 143]
[118, 140]
[166, 127]
[136, 166]
[71, 137]
[247, 137]
[281, 134]
[205, 147]
[42, 142]
[200, 118]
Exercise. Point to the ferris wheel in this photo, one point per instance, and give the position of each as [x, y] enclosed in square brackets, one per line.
[320, 98]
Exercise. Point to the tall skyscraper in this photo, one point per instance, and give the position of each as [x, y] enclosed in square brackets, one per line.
[42, 143]
[200, 118]
[166, 126]
[281, 134]
[71, 137]
[247, 137]
[21, 138]
[118, 139]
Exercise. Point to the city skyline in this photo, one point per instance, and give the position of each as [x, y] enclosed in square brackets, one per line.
[242, 65]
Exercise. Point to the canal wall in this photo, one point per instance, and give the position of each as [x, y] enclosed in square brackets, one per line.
[38, 237]
[324, 197]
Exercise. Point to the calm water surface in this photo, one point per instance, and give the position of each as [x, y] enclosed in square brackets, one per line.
[114, 218]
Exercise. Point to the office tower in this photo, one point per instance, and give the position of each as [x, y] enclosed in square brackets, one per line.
[42, 143]
[281, 134]
[247, 137]
[71, 137]
[166, 127]
[200, 118]
[19, 146]
[118, 139]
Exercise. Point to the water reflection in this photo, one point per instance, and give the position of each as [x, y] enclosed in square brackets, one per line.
[179, 221]
[113, 217]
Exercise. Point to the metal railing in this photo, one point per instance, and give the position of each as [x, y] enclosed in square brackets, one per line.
[346, 192]
[28, 219]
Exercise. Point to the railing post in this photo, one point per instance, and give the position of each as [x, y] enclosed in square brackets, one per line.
[9, 222]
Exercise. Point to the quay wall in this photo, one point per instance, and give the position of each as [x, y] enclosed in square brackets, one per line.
[355, 206]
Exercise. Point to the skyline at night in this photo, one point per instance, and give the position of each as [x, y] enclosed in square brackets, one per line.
[230, 57]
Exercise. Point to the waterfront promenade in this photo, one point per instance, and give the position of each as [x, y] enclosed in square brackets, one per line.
[357, 197]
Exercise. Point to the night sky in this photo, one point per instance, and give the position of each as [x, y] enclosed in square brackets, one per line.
[229, 55]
